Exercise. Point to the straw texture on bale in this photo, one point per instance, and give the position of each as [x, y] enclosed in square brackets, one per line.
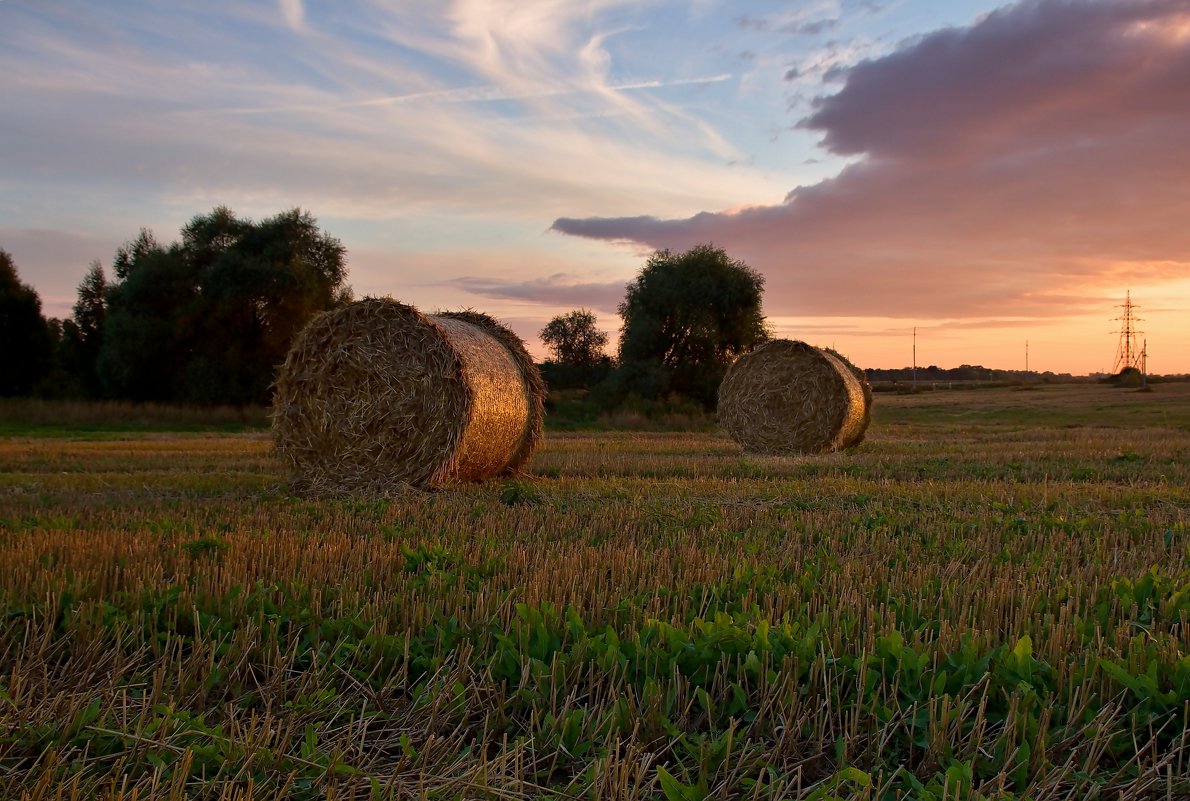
[787, 397]
[376, 395]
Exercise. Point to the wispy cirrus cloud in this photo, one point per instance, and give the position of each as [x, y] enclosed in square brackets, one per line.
[293, 12]
[461, 124]
[470, 94]
[478, 113]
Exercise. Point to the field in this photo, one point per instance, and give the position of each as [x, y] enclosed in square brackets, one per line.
[990, 598]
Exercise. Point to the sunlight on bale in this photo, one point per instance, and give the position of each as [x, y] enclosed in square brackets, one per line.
[788, 397]
[376, 395]
[857, 436]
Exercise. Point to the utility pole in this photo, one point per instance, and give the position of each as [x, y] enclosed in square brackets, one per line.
[915, 358]
[1026, 355]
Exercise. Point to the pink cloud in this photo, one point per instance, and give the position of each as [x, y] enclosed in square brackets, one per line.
[558, 289]
[1014, 168]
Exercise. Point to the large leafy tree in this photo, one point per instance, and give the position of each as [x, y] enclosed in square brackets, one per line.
[26, 343]
[260, 283]
[208, 319]
[687, 316]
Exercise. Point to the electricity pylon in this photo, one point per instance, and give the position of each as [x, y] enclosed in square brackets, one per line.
[1129, 353]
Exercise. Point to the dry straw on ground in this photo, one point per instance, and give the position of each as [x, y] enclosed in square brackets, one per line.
[376, 395]
[788, 397]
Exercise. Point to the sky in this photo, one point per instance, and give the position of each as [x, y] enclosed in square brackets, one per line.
[994, 176]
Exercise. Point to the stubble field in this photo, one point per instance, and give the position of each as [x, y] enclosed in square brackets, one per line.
[989, 598]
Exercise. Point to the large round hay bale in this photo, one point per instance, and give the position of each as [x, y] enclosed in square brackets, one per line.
[375, 395]
[788, 397]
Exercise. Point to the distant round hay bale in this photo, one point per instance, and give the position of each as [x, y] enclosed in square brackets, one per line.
[375, 395]
[788, 397]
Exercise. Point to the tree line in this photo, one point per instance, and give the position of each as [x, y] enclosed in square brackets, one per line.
[965, 372]
[207, 319]
[204, 320]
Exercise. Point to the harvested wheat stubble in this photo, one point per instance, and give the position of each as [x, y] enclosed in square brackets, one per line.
[788, 397]
[375, 396]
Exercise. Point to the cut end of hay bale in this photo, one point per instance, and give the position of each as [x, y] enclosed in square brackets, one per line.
[535, 389]
[787, 397]
[375, 395]
[860, 376]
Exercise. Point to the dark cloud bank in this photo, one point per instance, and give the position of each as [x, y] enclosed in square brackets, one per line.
[1010, 168]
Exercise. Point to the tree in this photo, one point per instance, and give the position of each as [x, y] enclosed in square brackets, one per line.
[129, 253]
[26, 345]
[574, 340]
[260, 284]
[207, 237]
[209, 319]
[687, 316]
[85, 337]
[65, 378]
[577, 347]
[151, 324]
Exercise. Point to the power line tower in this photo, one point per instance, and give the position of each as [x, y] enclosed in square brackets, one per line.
[1129, 353]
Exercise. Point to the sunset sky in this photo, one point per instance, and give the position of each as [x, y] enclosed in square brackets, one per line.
[988, 173]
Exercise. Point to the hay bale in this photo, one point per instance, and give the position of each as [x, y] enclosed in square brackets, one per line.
[788, 397]
[375, 395]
